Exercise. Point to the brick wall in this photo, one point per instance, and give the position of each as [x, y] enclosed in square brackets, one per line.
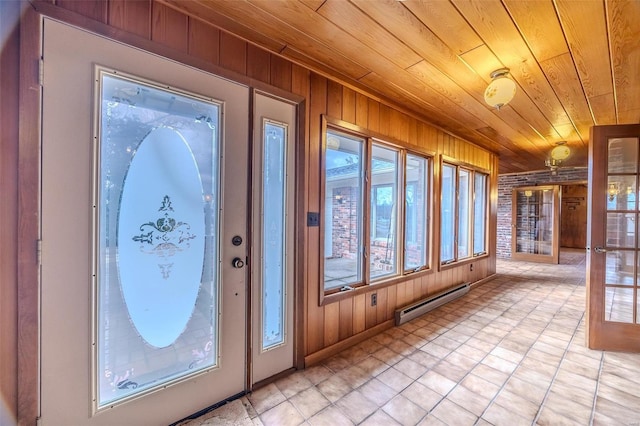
[507, 182]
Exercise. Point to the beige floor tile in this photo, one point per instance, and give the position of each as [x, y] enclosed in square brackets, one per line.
[568, 408]
[501, 416]
[437, 382]
[499, 364]
[377, 392]
[317, 374]
[458, 359]
[410, 368]
[404, 411]
[372, 366]
[490, 374]
[471, 401]
[354, 375]
[548, 417]
[395, 379]
[388, 356]
[379, 418]
[356, 406]
[309, 402]
[334, 388]
[435, 350]
[432, 420]
[621, 397]
[330, 416]
[526, 390]
[453, 414]
[480, 386]
[293, 383]
[284, 414]
[517, 404]
[266, 398]
[476, 355]
[422, 396]
[450, 371]
[627, 383]
[424, 359]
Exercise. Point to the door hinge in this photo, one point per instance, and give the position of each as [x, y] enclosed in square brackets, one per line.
[39, 252]
[41, 72]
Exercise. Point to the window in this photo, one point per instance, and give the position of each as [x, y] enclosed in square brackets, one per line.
[463, 213]
[415, 214]
[343, 188]
[480, 214]
[390, 237]
[384, 204]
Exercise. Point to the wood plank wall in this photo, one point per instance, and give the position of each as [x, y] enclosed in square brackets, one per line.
[335, 322]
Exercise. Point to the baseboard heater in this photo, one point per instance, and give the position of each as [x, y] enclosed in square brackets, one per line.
[425, 305]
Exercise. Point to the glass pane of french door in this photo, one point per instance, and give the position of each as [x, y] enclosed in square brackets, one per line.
[621, 235]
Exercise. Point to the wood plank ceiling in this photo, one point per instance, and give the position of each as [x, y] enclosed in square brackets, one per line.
[576, 62]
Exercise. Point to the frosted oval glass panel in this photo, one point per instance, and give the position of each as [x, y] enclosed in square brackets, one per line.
[157, 256]
[161, 237]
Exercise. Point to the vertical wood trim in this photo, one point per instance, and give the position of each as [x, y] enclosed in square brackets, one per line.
[9, 118]
[315, 313]
[348, 105]
[258, 64]
[331, 323]
[374, 115]
[280, 73]
[29, 217]
[346, 318]
[300, 85]
[359, 323]
[334, 99]
[131, 16]
[362, 110]
[96, 9]
[169, 27]
[233, 53]
[204, 41]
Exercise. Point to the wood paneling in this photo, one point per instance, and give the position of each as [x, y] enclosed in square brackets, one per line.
[327, 323]
[132, 16]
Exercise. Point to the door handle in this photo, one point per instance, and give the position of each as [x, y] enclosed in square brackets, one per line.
[237, 262]
[600, 249]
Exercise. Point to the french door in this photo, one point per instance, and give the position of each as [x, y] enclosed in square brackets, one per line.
[144, 219]
[613, 240]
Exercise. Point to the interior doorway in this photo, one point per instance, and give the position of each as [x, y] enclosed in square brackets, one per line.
[573, 216]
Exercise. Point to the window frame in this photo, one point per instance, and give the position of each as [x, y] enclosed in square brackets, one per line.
[370, 139]
[471, 199]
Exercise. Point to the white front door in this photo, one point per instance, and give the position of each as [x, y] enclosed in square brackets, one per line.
[144, 187]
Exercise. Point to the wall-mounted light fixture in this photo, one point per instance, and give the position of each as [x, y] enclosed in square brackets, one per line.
[501, 90]
[613, 191]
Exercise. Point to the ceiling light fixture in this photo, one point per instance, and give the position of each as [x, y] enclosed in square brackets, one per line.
[501, 89]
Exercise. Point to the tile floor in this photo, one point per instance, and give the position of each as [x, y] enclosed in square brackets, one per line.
[510, 352]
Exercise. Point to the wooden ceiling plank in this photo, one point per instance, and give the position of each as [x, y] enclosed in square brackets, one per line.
[584, 25]
[352, 21]
[538, 23]
[496, 28]
[603, 108]
[400, 21]
[564, 79]
[245, 18]
[624, 36]
[446, 23]
[313, 4]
